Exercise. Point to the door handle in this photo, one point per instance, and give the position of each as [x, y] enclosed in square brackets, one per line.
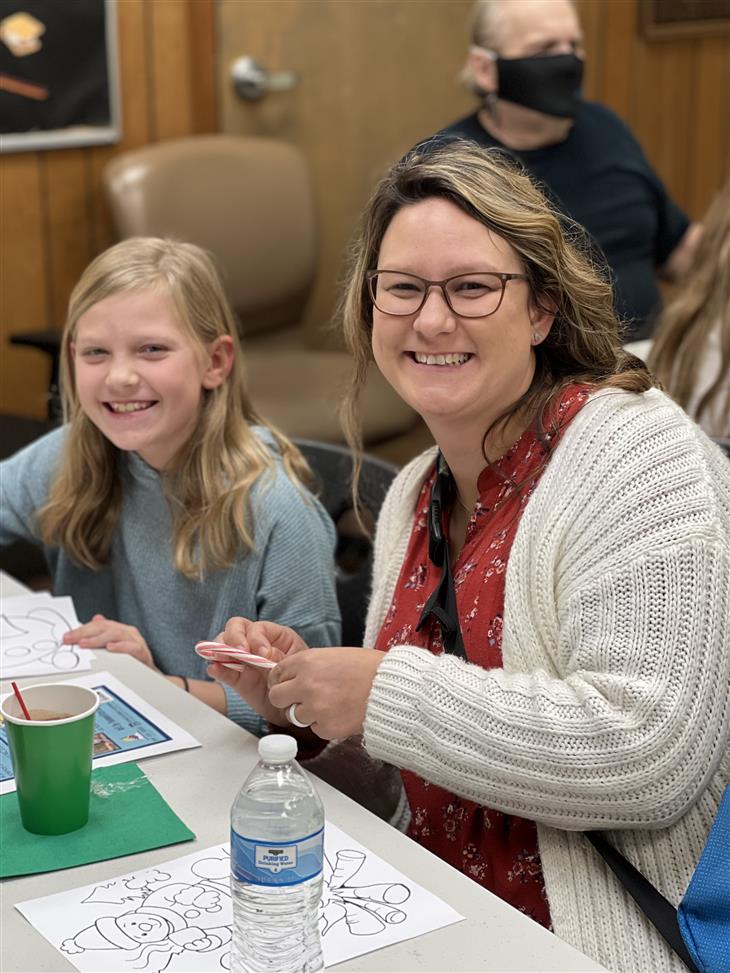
[252, 81]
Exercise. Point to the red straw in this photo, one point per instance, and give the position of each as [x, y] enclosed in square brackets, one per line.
[24, 708]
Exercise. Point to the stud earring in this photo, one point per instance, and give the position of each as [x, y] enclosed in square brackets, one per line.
[535, 338]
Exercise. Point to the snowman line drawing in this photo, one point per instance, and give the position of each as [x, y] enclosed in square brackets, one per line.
[166, 920]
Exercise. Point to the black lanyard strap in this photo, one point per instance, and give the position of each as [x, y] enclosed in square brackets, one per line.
[441, 604]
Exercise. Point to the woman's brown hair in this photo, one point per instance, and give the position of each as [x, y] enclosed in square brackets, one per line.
[584, 343]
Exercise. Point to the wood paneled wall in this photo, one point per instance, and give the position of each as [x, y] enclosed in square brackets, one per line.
[675, 95]
[377, 75]
[53, 217]
[374, 77]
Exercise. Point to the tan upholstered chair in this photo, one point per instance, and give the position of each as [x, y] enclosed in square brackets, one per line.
[249, 201]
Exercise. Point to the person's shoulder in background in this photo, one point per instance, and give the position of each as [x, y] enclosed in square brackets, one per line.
[712, 380]
[600, 122]
[467, 127]
[595, 125]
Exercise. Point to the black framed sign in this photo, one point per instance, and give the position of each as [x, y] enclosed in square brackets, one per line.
[58, 74]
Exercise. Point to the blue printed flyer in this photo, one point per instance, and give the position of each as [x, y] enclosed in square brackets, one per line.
[127, 728]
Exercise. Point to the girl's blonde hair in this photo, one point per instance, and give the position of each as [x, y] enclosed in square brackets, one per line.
[701, 306]
[564, 273]
[210, 485]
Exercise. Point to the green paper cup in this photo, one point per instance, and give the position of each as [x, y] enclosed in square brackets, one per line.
[52, 756]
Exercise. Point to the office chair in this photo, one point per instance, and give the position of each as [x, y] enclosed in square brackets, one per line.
[249, 201]
[48, 342]
[23, 560]
[332, 468]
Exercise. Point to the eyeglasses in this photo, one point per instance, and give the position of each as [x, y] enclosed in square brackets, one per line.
[468, 295]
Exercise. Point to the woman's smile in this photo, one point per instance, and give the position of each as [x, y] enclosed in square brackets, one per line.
[441, 360]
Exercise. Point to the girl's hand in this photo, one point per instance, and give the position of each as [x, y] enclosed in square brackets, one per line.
[331, 688]
[103, 633]
[269, 640]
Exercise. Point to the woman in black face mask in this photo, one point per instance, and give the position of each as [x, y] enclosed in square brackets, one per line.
[526, 66]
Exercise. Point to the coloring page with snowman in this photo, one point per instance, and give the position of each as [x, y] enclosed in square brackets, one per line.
[31, 637]
[177, 916]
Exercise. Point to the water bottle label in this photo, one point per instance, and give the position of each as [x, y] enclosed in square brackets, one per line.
[278, 863]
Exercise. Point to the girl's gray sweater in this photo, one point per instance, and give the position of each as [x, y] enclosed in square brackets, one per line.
[288, 577]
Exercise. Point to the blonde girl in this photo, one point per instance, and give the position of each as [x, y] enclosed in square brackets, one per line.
[164, 503]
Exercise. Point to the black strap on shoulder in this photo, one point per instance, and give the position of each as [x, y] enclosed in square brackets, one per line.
[442, 601]
[658, 910]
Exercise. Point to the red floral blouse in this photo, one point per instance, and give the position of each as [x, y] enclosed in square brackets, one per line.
[497, 850]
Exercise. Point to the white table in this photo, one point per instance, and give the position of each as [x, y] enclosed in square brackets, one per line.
[200, 786]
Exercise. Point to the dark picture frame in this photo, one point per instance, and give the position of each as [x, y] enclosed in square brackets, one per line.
[59, 74]
[672, 19]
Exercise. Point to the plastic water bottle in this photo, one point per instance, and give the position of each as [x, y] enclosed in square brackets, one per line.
[277, 843]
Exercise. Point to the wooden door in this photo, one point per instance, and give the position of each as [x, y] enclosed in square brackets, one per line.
[375, 76]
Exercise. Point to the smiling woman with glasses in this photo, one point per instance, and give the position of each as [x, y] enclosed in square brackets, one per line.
[547, 645]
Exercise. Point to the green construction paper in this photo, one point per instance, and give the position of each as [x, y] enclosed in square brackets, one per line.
[126, 815]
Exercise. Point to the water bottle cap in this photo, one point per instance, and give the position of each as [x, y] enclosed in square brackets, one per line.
[277, 748]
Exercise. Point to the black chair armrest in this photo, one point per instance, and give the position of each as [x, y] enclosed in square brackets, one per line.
[48, 341]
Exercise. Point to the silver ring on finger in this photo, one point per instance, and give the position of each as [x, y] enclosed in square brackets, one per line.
[291, 715]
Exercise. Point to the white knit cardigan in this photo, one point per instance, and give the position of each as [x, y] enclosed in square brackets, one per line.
[612, 709]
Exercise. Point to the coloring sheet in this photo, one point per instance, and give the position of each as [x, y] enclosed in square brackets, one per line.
[177, 916]
[127, 727]
[31, 629]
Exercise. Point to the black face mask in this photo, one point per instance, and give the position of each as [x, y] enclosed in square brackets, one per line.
[550, 84]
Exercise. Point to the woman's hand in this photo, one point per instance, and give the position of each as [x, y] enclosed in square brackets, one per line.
[262, 638]
[104, 633]
[267, 639]
[330, 686]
